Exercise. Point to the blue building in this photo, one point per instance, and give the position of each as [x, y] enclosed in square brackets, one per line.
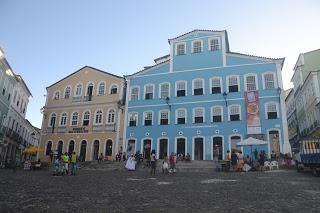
[202, 97]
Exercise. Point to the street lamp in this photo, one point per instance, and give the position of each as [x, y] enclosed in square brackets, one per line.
[167, 101]
[225, 98]
[279, 90]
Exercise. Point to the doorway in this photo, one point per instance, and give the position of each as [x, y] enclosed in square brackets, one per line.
[89, 91]
[198, 149]
[146, 148]
[131, 147]
[275, 142]
[109, 148]
[71, 147]
[181, 146]
[163, 148]
[217, 148]
[83, 151]
[60, 146]
[95, 150]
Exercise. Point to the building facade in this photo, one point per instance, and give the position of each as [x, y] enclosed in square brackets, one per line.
[302, 102]
[202, 96]
[84, 113]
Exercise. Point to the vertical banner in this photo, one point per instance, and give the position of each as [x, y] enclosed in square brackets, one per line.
[253, 118]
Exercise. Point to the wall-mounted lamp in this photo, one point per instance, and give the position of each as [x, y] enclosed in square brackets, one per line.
[225, 98]
[167, 101]
[279, 90]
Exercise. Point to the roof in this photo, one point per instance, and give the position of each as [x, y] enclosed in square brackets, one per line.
[98, 70]
[288, 93]
[20, 79]
[160, 58]
[147, 68]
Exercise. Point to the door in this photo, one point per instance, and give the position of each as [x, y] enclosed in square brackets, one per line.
[95, 150]
[146, 149]
[60, 146]
[83, 151]
[89, 91]
[217, 148]
[198, 149]
[275, 142]
[131, 147]
[181, 146]
[163, 148]
[109, 148]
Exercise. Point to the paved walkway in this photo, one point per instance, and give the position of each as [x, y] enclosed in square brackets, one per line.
[123, 191]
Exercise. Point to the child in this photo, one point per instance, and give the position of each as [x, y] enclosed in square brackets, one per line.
[165, 166]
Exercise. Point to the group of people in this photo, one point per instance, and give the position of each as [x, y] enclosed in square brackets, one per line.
[65, 163]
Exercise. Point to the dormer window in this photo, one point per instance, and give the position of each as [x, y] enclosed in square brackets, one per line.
[197, 46]
[214, 44]
[56, 96]
[181, 49]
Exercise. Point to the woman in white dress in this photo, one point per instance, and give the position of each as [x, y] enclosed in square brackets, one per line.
[131, 163]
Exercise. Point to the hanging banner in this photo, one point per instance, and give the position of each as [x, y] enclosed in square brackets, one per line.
[253, 118]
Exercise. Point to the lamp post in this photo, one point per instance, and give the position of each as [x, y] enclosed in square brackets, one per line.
[167, 101]
[225, 98]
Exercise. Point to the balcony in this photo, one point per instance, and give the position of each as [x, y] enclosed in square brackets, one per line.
[87, 98]
[76, 99]
[61, 129]
[110, 127]
[97, 128]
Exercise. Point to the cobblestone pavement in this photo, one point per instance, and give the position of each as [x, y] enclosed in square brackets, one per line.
[124, 191]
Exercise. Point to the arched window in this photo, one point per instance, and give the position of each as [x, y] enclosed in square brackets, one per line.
[109, 148]
[111, 116]
[98, 117]
[57, 95]
[71, 147]
[52, 121]
[102, 87]
[114, 89]
[63, 120]
[78, 90]
[67, 92]
[86, 118]
[49, 148]
[74, 120]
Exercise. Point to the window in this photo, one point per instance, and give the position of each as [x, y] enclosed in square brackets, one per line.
[3, 91]
[197, 46]
[181, 88]
[52, 123]
[148, 118]
[181, 116]
[234, 113]
[14, 96]
[101, 89]
[215, 85]
[74, 119]
[164, 117]
[214, 44]
[198, 87]
[233, 84]
[111, 116]
[133, 118]
[217, 114]
[86, 118]
[98, 117]
[148, 92]
[78, 90]
[56, 95]
[198, 115]
[67, 93]
[271, 109]
[63, 120]
[251, 83]
[269, 81]
[181, 49]
[164, 90]
[113, 89]
[49, 148]
[9, 96]
[134, 93]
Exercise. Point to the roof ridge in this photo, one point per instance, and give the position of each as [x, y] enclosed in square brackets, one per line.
[194, 31]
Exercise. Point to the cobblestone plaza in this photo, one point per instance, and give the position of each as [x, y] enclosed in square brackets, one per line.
[123, 191]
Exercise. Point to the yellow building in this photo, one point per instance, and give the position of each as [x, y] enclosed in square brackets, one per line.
[84, 113]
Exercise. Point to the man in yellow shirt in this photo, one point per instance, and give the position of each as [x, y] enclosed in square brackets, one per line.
[73, 163]
[66, 159]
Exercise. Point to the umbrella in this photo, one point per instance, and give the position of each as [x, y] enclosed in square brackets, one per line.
[32, 150]
[250, 142]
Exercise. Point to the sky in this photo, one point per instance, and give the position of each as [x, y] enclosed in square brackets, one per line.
[46, 40]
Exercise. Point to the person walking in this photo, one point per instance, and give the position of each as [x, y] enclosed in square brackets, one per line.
[73, 163]
[234, 160]
[153, 162]
[172, 162]
[66, 159]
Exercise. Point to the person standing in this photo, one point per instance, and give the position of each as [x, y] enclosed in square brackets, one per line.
[234, 160]
[172, 163]
[66, 159]
[73, 163]
[153, 162]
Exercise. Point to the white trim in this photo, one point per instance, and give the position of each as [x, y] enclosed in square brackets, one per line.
[181, 38]
[193, 114]
[223, 148]
[227, 82]
[98, 88]
[185, 115]
[130, 95]
[245, 81]
[72, 116]
[142, 143]
[176, 144]
[87, 110]
[124, 134]
[213, 38]
[94, 117]
[168, 89]
[144, 91]
[203, 144]
[203, 85]
[223, 48]
[221, 108]
[240, 117]
[210, 83]
[176, 87]
[75, 91]
[152, 123]
[241, 138]
[159, 116]
[107, 117]
[117, 86]
[266, 111]
[171, 59]
[158, 145]
[192, 45]
[274, 80]
[128, 120]
[61, 119]
[176, 48]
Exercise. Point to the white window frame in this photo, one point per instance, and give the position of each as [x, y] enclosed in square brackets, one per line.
[245, 81]
[90, 82]
[185, 115]
[86, 119]
[98, 88]
[238, 79]
[203, 85]
[115, 116]
[266, 109]
[49, 123]
[54, 95]
[110, 88]
[95, 115]
[61, 116]
[64, 93]
[193, 114]
[81, 91]
[144, 117]
[209, 43]
[274, 80]
[159, 116]
[161, 91]
[185, 48]
[133, 87]
[229, 107]
[192, 45]
[221, 86]
[145, 91]
[221, 108]
[72, 118]
[176, 87]
[136, 120]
